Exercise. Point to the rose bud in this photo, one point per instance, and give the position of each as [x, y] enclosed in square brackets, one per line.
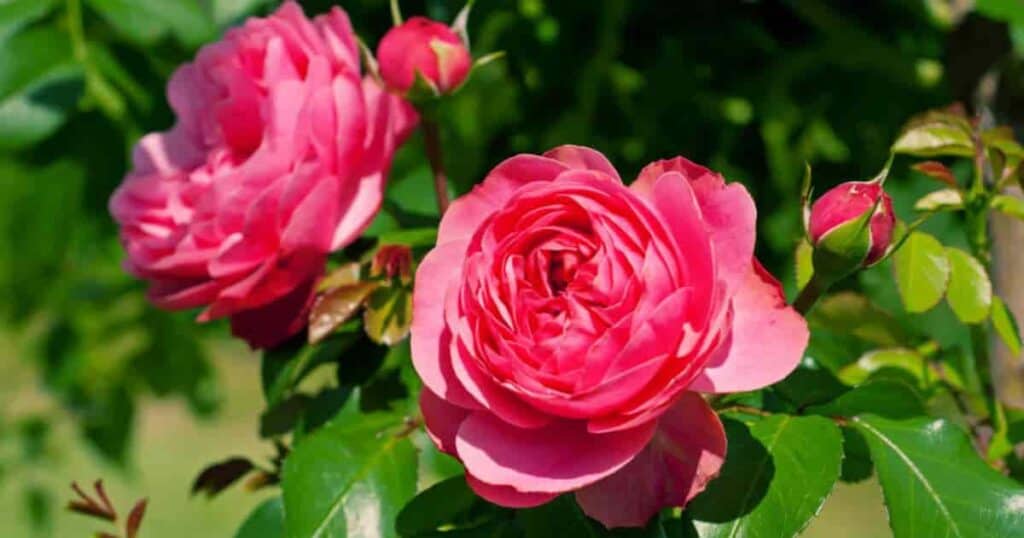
[850, 227]
[430, 48]
[392, 261]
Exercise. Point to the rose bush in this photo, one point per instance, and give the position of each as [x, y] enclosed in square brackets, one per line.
[564, 325]
[279, 156]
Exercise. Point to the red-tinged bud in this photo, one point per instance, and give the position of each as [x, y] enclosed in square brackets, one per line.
[853, 221]
[430, 48]
[392, 261]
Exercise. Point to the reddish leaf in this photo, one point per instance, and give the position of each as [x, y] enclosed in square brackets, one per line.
[131, 526]
[336, 307]
[936, 170]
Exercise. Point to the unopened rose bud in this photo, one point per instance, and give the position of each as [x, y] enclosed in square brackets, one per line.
[420, 45]
[850, 227]
[392, 261]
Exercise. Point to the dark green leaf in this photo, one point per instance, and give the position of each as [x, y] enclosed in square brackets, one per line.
[922, 272]
[282, 418]
[146, 21]
[809, 384]
[350, 478]
[438, 505]
[856, 457]
[882, 397]
[266, 521]
[936, 485]
[285, 366]
[970, 291]
[16, 14]
[776, 477]
[854, 314]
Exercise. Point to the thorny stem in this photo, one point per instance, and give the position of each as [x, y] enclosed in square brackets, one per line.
[432, 143]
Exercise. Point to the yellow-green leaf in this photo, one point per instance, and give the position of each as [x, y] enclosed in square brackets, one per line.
[804, 263]
[940, 200]
[1006, 325]
[970, 291]
[388, 314]
[922, 272]
[1010, 205]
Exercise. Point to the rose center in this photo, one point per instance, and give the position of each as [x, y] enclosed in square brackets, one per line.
[561, 270]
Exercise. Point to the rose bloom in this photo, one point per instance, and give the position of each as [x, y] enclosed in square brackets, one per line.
[565, 323]
[278, 157]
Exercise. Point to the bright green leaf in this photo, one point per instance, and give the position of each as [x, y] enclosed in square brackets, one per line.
[388, 314]
[16, 14]
[922, 272]
[1008, 204]
[936, 485]
[266, 521]
[944, 199]
[350, 478]
[906, 360]
[970, 291]
[777, 475]
[1006, 325]
[936, 133]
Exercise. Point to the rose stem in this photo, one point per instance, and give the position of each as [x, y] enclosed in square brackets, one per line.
[432, 143]
[809, 295]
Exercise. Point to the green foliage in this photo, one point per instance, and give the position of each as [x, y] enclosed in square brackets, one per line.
[266, 521]
[922, 272]
[778, 473]
[934, 483]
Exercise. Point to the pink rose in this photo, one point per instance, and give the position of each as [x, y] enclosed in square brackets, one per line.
[425, 46]
[565, 323]
[278, 157]
[846, 203]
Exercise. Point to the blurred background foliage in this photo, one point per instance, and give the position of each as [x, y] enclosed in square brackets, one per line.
[752, 88]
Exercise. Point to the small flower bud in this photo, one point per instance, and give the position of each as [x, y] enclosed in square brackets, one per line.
[420, 45]
[392, 261]
[850, 226]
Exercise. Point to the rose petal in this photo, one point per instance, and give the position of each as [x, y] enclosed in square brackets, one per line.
[465, 214]
[442, 420]
[430, 337]
[507, 496]
[686, 452]
[583, 158]
[557, 458]
[767, 341]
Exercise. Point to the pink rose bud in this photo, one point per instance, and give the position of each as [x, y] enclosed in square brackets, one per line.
[428, 47]
[852, 223]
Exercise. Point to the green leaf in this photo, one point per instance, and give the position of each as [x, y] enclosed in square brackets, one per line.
[936, 485]
[882, 397]
[852, 313]
[922, 272]
[350, 478]
[147, 21]
[17, 14]
[266, 521]
[906, 360]
[1006, 325]
[804, 263]
[809, 383]
[940, 200]
[970, 291]
[1008, 204]
[285, 366]
[40, 84]
[388, 314]
[777, 475]
[1001, 10]
[437, 506]
[936, 133]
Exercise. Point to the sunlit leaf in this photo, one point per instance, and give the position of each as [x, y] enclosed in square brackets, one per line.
[1006, 326]
[778, 473]
[883, 397]
[1009, 204]
[922, 272]
[906, 360]
[940, 200]
[804, 263]
[854, 314]
[266, 521]
[335, 307]
[388, 314]
[935, 484]
[938, 171]
[970, 291]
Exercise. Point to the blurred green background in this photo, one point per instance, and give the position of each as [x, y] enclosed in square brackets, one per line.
[97, 384]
